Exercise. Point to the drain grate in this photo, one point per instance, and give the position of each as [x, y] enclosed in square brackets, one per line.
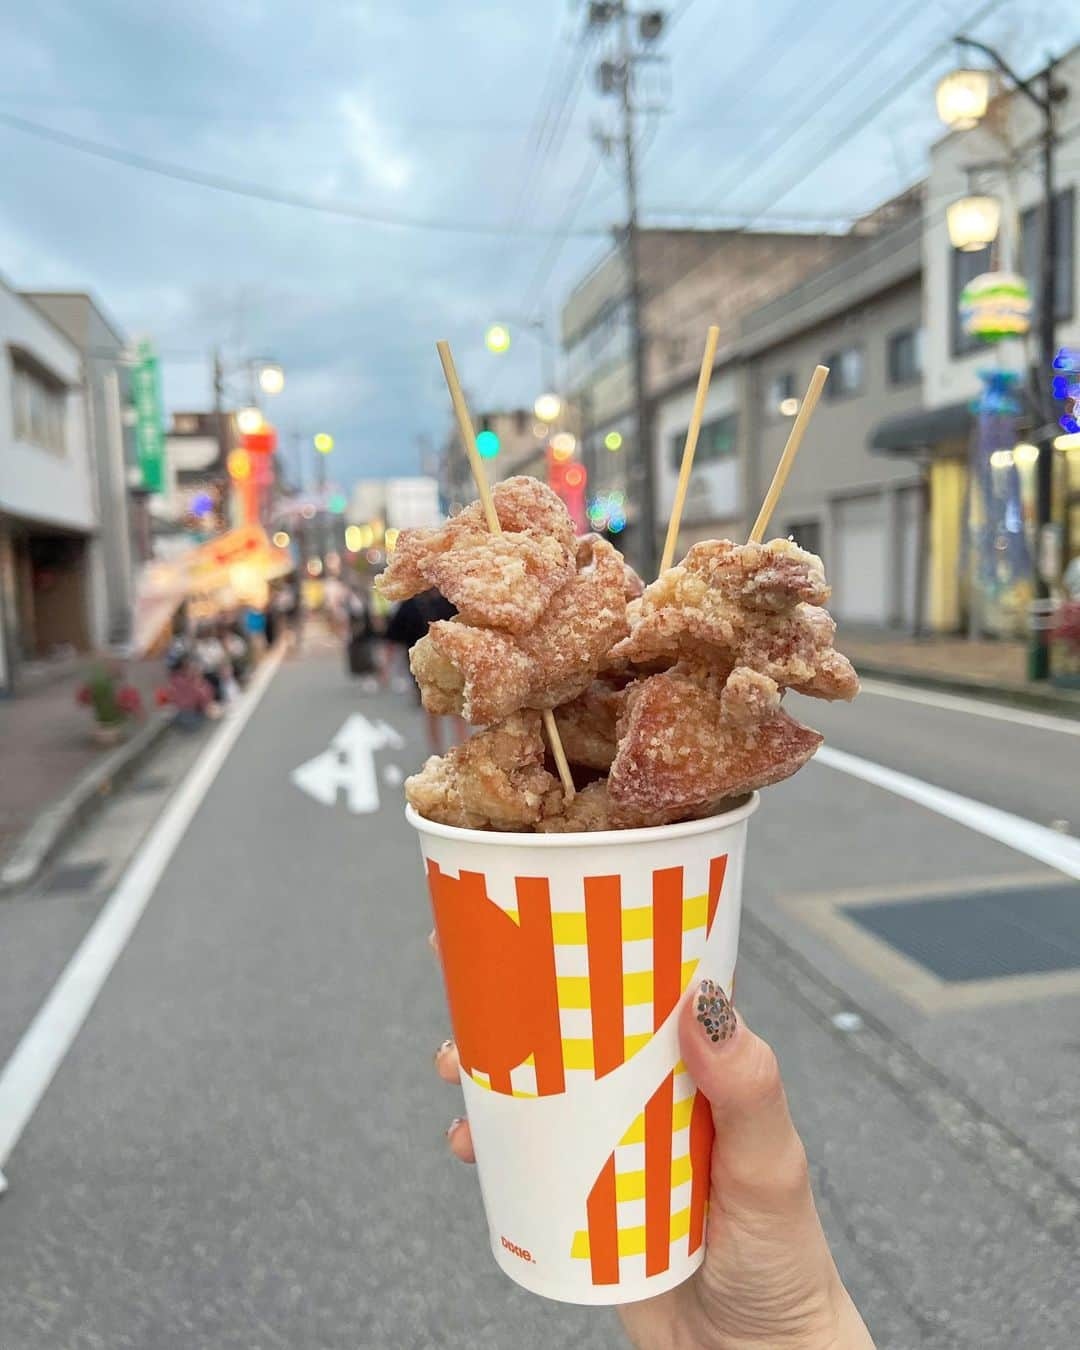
[984, 935]
[74, 877]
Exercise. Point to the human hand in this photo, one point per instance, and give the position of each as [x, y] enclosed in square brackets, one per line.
[768, 1281]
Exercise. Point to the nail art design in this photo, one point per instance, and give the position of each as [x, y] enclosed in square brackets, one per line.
[458, 1120]
[714, 1012]
[446, 1045]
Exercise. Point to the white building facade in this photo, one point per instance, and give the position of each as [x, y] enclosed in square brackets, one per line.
[52, 581]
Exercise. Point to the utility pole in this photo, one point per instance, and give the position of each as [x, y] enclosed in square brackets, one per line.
[632, 244]
[617, 76]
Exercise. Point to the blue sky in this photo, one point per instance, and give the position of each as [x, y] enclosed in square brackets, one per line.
[471, 114]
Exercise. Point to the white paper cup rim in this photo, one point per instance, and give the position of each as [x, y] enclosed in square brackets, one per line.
[585, 838]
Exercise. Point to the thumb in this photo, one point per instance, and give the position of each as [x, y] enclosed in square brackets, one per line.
[758, 1153]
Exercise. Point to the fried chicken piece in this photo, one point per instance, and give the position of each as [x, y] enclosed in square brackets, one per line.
[681, 751]
[634, 584]
[592, 809]
[495, 781]
[485, 675]
[587, 725]
[754, 605]
[748, 697]
[503, 581]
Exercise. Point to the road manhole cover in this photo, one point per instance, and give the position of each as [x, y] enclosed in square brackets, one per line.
[73, 877]
[983, 935]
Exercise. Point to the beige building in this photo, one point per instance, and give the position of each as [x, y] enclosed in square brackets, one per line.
[863, 511]
[690, 278]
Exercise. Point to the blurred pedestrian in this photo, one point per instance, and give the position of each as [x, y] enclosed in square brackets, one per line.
[407, 625]
[187, 691]
[360, 648]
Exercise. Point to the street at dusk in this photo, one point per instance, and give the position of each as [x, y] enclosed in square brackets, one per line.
[540, 677]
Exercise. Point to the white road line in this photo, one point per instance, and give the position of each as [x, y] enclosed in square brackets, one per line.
[28, 1073]
[998, 712]
[1047, 846]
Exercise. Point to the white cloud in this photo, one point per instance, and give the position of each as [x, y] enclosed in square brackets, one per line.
[368, 146]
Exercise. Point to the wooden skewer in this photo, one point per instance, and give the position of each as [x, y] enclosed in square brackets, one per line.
[692, 433]
[468, 436]
[809, 403]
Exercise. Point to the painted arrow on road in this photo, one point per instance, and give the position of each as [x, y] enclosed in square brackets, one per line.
[349, 765]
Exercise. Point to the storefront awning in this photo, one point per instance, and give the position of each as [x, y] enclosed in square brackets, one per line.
[908, 433]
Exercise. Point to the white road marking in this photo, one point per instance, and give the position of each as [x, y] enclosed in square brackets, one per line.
[1025, 836]
[28, 1073]
[998, 712]
[349, 765]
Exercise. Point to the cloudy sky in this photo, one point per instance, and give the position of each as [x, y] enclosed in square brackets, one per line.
[457, 138]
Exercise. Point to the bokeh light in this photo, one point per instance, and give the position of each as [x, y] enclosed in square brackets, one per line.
[487, 444]
[390, 539]
[323, 442]
[239, 465]
[281, 539]
[497, 338]
[249, 420]
[613, 441]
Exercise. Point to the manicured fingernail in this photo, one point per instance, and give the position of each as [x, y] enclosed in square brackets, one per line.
[446, 1045]
[714, 1012]
[458, 1120]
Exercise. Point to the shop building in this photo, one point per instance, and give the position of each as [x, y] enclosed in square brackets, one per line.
[863, 512]
[998, 158]
[103, 349]
[53, 585]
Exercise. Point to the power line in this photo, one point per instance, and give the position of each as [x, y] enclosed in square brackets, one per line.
[259, 192]
[759, 153]
[893, 91]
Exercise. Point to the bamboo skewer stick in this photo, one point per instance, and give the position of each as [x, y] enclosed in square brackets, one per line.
[809, 403]
[468, 436]
[692, 433]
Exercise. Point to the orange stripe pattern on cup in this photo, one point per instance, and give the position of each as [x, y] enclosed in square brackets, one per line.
[544, 997]
[540, 996]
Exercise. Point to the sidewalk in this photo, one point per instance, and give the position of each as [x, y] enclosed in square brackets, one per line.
[46, 742]
[992, 668]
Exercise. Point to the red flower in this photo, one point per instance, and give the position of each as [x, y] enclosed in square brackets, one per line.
[83, 695]
[1067, 626]
[127, 698]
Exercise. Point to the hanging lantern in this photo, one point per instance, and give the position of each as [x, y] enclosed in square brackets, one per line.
[996, 305]
[973, 222]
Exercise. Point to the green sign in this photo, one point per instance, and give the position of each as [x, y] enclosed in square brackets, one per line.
[149, 430]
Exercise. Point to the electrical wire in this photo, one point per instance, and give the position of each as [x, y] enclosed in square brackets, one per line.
[760, 152]
[887, 96]
[261, 192]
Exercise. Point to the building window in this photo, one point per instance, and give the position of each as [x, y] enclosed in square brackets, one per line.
[716, 441]
[778, 391]
[39, 405]
[965, 267]
[1031, 254]
[845, 372]
[905, 356]
[806, 533]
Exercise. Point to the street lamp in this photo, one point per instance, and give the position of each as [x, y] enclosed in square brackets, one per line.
[973, 222]
[962, 98]
[548, 407]
[249, 420]
[271, 378]
[962, 101]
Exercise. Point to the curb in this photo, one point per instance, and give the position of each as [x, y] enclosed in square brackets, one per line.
[1050, 700]
[55, 822]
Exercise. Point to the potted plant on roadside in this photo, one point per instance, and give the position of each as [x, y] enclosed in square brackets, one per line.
[113, 703]
[1066, 632]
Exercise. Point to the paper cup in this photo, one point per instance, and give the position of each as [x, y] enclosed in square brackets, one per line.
[566, 957]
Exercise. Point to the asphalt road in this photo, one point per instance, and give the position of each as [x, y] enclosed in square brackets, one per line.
[243, 1145]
